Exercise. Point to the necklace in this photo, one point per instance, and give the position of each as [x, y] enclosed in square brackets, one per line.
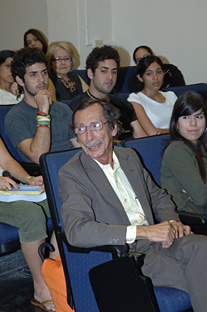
[94, 97]
[68, 84]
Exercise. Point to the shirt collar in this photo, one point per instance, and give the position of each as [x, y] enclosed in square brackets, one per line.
[115, 160]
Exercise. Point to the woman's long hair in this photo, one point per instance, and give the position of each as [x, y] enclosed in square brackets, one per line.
[187, 104]
[39, 35]
[145, 62]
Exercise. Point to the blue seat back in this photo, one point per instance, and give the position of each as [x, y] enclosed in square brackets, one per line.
[3, 111]
[82, 74]
[76, 264]
[124, 73]
[151, 151]
[198, 87]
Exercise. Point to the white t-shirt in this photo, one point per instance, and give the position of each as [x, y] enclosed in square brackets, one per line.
[158, 113]
[7, 98]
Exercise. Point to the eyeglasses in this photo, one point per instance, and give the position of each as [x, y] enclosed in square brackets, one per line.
[60, 59]
[94, 126]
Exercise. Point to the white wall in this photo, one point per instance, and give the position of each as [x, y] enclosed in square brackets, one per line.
[16, 17]
[175, 30]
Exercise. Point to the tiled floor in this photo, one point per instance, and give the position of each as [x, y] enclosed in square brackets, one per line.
[16, 287]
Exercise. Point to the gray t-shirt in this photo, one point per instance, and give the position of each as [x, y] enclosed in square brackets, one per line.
[20, 124]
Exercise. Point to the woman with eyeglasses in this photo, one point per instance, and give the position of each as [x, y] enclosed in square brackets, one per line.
[184, 164]
[34, 38]
[152, 106]
[61, 62]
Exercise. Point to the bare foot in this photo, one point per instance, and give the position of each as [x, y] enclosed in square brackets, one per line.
[42, 294]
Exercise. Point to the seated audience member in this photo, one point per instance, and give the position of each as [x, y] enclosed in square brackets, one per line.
[184, 165]
[37, 124]
[30, 219]
[172, 78]
[34, 38]
[102, 65]
[9, 93]
[152, 106]
[61, 62]
[108, 198]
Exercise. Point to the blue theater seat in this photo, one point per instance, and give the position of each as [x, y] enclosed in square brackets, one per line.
[104, 279]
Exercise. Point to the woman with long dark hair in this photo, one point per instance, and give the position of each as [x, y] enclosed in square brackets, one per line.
[152, 106]
[184, 165]
[33, 38]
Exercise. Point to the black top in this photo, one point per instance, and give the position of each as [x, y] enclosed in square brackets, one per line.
[172, 78]
[64, 93]
[127, 113]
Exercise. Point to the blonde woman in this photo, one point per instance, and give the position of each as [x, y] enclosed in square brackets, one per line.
[61, 62]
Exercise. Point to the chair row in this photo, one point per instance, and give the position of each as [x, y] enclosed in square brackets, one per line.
[34, 169]
[124, 73]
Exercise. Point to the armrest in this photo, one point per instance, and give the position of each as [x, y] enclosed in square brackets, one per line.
[32, 168]
[117, 251]
[192, 218]
[197, 221]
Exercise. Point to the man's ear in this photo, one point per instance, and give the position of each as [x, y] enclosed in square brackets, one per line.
[114, 131]
[19, 81]
[140, 78]
[89, 73]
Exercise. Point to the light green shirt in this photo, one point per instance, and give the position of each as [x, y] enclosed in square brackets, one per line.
[127, 197]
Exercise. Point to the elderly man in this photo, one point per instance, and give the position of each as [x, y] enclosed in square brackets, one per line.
[109, 198]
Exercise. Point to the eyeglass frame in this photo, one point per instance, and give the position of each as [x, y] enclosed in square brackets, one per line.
[92, 123]
[60, 59]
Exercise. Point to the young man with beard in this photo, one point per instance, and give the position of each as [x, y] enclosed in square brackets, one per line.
[37, 125]
[102, 65]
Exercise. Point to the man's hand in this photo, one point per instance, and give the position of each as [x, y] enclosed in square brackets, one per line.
[43, 100]
[180, 229]
[163, 232]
